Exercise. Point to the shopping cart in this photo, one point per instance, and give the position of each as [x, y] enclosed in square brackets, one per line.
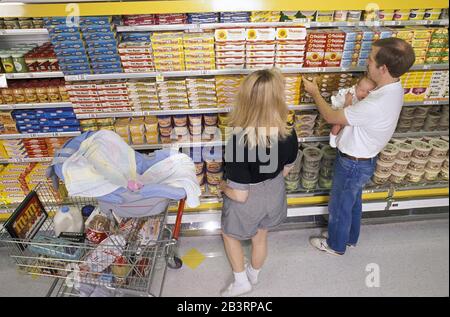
[128, 258]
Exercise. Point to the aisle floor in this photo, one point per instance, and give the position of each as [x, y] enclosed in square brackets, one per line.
[412, 258]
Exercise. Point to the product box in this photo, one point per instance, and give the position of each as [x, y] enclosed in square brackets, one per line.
[291, 33]
[223, 35]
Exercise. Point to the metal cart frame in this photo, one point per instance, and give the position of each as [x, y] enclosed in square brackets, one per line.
[131, 260]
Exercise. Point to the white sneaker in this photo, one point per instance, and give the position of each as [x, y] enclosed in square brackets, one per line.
[325, 235]
[235, 289]
[253, 280]
[321, 244]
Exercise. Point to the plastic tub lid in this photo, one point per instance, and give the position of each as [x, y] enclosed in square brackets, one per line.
[420, 145]
[414, 172]
[312, 154]
[329, 152]
[439, 144]
[405, 147]
[390, 149]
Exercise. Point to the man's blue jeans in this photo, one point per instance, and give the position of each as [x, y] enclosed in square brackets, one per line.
[345, 206]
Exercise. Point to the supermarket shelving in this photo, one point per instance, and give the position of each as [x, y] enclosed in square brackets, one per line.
[24, 9]
[35, 105]
[35, 75]
[24, 32]
[38, 135]
[196, 73]
[26, 160]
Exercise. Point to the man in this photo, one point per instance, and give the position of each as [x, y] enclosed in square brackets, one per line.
[369, 125]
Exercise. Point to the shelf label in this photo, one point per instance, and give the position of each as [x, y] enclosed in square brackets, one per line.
[159, 77]
[3, 82]
[431, 102]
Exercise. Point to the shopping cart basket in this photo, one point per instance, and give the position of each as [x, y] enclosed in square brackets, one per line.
[129, 258]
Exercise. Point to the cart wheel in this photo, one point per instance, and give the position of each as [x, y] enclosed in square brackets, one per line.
[174, 262]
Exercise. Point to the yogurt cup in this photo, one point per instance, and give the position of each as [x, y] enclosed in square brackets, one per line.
[444, 174]
[431, 175]
[413, 176]
[164, 121]
[309, 173]
[445, 164]
[195, 119]
[165, 131]
[407, 111]
[383, 167]
[309, 183]
[328, 156]
[380, 178]
[421, 111]
[439, 148]
[417, 164]
[311, 158]
[435, 163]
[210, 119]
[180, 120]
[199, 167]
[324, 182]
[405, 151]
[397, 177]
[389, 153]
[406, 120]
[326, 171]
[400, 166]
[421, 149]
[214, 178]
[291, 185]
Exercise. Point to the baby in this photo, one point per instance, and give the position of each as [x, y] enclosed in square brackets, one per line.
[358, 92]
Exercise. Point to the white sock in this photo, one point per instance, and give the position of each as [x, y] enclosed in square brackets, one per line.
[241, 278]
[252, 273]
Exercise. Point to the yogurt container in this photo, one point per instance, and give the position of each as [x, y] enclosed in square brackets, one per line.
[400, 166]
[405, 151]
[325, 182]
[439, 148]
[328, 156]
[421, 149]
[383, 167]
[431, 175]
[397, 177]
[407, 111]
[195, 119]
[380, 178]
[309, 183]
[164, 121]
[180, 120]
[199, 167]
[417, 164]
[445, 164]
[326, 171]
[414, 176]
[389, 153]
[210, 119]
[213, 161]
[435, 163]
[291, 185]
[444, 174]
[421, 111]
[309, 173]
[311, 158]
[214, 178]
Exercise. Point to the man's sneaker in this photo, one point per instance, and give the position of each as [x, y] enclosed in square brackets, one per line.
[321, 244]
[235, 289]
[325, 235]
[251, 277]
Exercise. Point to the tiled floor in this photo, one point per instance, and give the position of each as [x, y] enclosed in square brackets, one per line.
[412, 258]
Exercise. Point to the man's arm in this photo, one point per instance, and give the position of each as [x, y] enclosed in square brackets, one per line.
[329, 114]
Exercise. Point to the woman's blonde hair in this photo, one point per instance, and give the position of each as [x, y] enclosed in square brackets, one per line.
[261, 109]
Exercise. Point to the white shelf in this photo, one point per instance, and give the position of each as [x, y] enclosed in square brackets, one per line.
[26, 160]
[24, 32]
[419, 134]
[38, 135]
[196, 73]
[426, 103]
[378, 23]
[36, 105]
[35, 75]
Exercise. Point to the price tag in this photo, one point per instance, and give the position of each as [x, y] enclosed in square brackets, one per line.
[431, 102]
[159, 77]
[425, 67]
[3, 32]
[3, 82]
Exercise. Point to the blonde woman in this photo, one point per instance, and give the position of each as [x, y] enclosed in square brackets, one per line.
[257, 156]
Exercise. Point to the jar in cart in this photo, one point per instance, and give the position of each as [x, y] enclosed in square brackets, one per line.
[30, 93]
[41, 92]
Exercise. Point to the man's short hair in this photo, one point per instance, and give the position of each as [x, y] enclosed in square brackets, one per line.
[396, 54]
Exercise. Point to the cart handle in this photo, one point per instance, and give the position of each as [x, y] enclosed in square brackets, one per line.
[176, 231]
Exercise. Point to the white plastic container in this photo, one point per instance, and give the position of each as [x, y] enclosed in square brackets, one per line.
[68, 219]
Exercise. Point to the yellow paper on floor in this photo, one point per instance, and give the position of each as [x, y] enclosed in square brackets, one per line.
[193, 258]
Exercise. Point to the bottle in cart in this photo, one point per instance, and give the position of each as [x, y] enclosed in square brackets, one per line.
[68, 219]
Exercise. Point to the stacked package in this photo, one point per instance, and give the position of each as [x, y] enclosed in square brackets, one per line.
[292, 89]
[329, 84]
[260, 47]
[291, 43]
[68, 45]
[13, 188]
[46, 120]
[97, 124]
[12, 149]
[322, 127]
[92, 97]
[172, 94]
[438, 88]
[199, 51]
[143, 95]
[43, 147]
[136, 53]
[230, 48]
[198, 18]
[438, 48]
[304, 123]
[324, 48]
[100, 38]
[265, 16]
[234, 17]
[37, 175]
[415, 85]
[168, 51]
[165, 19]
[423, 118]
[142, 19]
[227, 88]
[7, 123]
[201, 92]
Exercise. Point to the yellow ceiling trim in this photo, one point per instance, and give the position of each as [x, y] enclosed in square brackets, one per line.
[185, 6]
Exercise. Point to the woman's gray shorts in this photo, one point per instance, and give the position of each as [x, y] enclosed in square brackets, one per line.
[265, 208]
